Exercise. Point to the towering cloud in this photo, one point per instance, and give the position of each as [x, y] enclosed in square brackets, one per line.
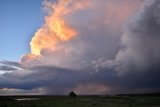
[55, 29]
[78, 31]
[91, 46]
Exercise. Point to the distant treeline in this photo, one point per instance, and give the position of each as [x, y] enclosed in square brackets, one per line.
[139, 95]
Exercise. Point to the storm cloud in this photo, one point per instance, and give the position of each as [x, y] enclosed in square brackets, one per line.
[116, 50]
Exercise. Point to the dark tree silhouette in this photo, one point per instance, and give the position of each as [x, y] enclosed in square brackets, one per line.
[72, 94]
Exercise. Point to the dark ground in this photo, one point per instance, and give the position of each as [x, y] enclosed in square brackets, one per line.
[121, 100]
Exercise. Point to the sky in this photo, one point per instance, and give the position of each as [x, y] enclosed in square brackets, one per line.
[19, 20]
[52, 47]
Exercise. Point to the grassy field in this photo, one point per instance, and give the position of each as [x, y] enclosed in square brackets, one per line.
[80, 101]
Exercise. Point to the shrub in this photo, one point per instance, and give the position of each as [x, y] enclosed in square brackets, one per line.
[72, 94]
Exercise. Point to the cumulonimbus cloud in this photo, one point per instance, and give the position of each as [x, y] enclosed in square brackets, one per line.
[115, 48]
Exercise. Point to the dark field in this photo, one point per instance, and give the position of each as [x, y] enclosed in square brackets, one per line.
[81, 101]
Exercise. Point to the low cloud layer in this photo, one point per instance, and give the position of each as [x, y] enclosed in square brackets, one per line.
[115, 50]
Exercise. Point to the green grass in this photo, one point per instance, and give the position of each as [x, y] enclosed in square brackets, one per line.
[82, 101]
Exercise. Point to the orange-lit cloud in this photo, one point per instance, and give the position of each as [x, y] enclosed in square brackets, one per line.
[54, 31]
[63, 24]
[118, 12]
[28, 59]
[91, 89]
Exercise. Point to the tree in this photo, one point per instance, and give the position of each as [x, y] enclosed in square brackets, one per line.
[72, 94]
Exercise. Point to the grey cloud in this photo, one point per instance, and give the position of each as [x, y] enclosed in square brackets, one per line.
[55, 80]
[125, 60]
[37, 77]
[61, 81]
[11, 63]
[7, 68]
[141, 41]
